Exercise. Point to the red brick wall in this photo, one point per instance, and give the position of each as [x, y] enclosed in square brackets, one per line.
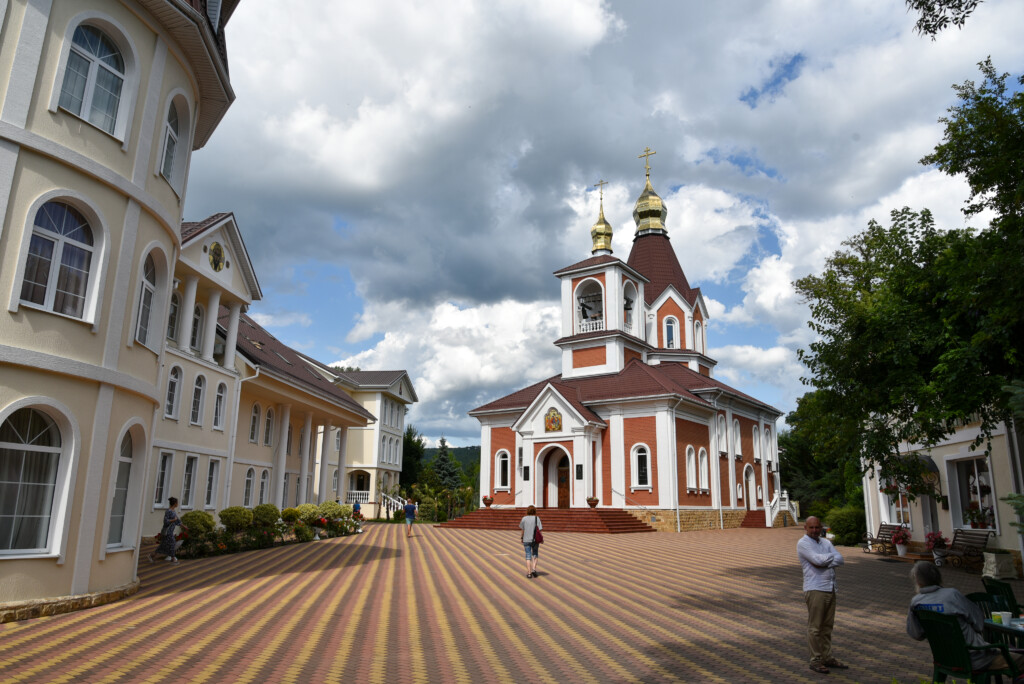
[631, 354]
[636, 430]
[504, 438]
[692, 434]
[591, 356]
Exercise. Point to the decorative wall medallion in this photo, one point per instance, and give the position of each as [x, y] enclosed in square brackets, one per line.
[216, 256]
[552, 421]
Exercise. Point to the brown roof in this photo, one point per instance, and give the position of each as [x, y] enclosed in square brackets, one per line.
[653, 256]
[189, 229]
[380, 378]
[266, 351]
[587, 263]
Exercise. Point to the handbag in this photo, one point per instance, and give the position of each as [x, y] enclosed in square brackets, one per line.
[538, 536]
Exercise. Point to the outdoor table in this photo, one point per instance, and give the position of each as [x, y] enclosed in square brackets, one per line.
[1012, 635]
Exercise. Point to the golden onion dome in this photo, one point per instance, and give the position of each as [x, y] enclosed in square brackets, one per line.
[650, 211]
[601, 232]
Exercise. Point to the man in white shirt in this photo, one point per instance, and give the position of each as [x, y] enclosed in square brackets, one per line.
[819, 560]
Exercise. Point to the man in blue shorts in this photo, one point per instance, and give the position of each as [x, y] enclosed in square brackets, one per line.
[410, 515]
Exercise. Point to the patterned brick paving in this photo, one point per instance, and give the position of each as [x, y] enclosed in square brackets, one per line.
[453, 605]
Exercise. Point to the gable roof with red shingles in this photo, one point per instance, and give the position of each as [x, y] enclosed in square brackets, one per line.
[653, 256]
[266, 351]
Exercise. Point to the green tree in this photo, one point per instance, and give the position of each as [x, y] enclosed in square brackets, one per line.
[413, 446]
[448, 470]
[937, 15]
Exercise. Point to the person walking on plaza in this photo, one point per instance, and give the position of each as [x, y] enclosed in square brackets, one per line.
[529, 525]
[819, 560]
[168, 544]
[933, 596]
[410, 515]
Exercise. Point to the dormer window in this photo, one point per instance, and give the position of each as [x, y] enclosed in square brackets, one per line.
[671, 330]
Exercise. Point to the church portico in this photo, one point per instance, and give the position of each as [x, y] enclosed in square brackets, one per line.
[636, 418]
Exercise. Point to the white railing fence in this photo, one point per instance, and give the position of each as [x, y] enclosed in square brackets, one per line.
[353, 496]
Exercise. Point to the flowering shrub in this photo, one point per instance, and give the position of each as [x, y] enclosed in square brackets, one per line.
[901, 536]
[936, 540]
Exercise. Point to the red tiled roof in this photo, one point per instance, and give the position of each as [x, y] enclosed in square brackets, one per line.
[653, 256]
[190, 229]
[587, 263]
[266, 351]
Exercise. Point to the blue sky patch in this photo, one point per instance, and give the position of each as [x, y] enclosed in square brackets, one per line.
[784, 70]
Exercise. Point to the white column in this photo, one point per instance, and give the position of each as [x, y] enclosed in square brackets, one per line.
[279, 462]
[485, 465]
[618, 460]
[325, 447]
[231, 343]
[188, 307]
[210, 334]
[342, 479]
[304, 455]
[731, 438]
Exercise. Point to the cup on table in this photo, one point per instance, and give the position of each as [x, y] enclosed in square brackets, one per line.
[997, 617]
[1006, 617]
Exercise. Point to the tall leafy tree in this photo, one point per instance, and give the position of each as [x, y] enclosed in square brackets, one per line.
[413, 446]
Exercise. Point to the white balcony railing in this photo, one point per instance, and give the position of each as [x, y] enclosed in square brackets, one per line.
[591, 324]
[352, 497]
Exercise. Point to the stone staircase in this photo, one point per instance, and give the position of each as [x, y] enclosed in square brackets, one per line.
[592, 520]
[754, 520]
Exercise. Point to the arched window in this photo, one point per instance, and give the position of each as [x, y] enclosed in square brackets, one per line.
[760, 493]
[146, 295]
[756, 442]
[502, 470]
[739, 491]
[334, 481]
[641, 467]
[629, 298]
[59, 260]
[115, 533]
[264, 485]
[250, 480]
[254, 424]
[382, 457]
[723, 445]
[30, 456]
[197, 328]
[736, 437]
[268, 428]
[198, 400]
[93, 78]
[218, 406]
[767, 445]
[173, 392]
[589, 306]
[671, 328]
[170, 142]
[698, 337]
[705, 475]
[691, 468]
[172, 317]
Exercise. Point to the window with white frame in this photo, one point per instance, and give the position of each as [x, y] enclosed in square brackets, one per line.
[766, 445]
[198, 400]
[337, 440]
[264, 486]
[288, 445]
[119, 505]
[219, 402]
[383, 449]
[723, 445]
[756, 441]
[173, 392]
[212, 478]
[641, 467]
[30, 459]
[268, 428]
[760, 493]
[739, 491]
[671, 333]
[702, 463]
[188, 486]
[976, 490]
[59, 260]
[250, 480]
[163, 474]
[170, 142]
[93, 78]
[502, 470]
[254, 424]
[196, 341]
[147, 294]
[334, 481]
[899, 508]
[172, 317]
[691, 468]
[736, 437]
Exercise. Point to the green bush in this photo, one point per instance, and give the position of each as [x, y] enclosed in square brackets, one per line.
[265, 515]
[290, 515]
[303, 533]
[309, 513]
[236, 518]
[848, 524]
[398, 516]
[332, 510]
[198, 522]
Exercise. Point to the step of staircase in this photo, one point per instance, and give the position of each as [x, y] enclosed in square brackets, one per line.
[590, 520]
[754, 520]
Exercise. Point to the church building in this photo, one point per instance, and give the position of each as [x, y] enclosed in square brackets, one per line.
[636, 419]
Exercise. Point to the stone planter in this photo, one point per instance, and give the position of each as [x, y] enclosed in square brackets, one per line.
[999, 566]
[901, 550]
[488, 502]
[592, 503]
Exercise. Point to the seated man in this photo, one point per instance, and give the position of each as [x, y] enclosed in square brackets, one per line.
[933, 596]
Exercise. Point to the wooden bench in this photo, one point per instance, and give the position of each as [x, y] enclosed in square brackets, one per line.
[881, 542]
[968, 547]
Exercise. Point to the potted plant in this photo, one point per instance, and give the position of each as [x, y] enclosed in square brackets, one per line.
[938, 545]
[900, 538]
[592, 501]
[488, 500]
[974, 516]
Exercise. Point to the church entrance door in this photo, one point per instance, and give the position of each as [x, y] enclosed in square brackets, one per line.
[563, 482]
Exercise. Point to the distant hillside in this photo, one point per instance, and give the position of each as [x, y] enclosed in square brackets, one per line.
[466, 456]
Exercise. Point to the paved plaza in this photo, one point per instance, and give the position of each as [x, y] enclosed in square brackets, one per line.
[452, 605]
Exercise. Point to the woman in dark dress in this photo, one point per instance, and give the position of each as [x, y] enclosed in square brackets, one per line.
[168, 545]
